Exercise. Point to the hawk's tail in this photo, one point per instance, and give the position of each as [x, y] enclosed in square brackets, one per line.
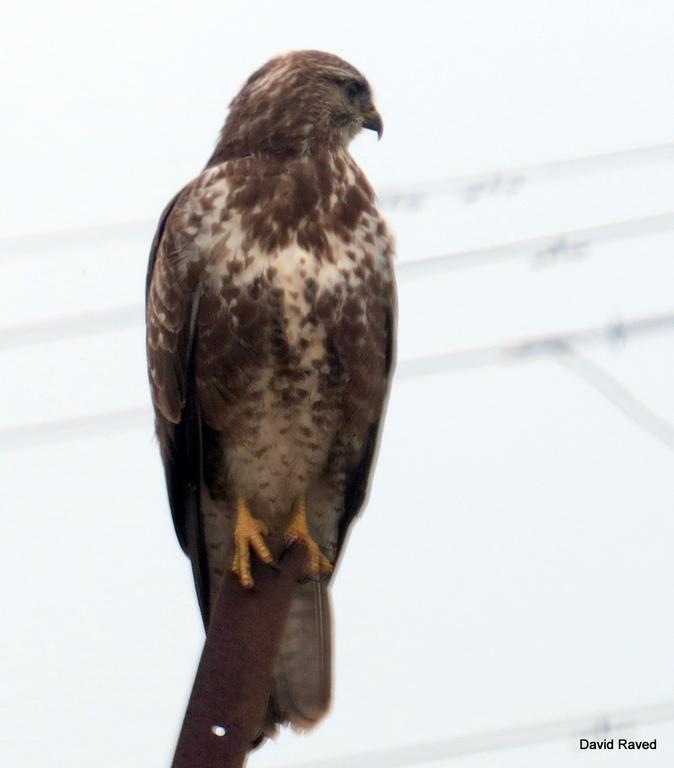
[301, 686]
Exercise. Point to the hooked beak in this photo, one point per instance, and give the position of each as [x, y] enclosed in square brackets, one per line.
[373, 122]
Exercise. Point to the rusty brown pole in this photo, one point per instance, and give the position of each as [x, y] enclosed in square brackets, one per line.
[229, 695]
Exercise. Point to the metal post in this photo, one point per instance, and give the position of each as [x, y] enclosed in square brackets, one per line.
[229, 695]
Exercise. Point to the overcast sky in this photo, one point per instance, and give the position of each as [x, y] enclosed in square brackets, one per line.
[513, 567]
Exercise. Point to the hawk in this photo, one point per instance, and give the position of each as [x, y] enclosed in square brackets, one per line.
[270, 303]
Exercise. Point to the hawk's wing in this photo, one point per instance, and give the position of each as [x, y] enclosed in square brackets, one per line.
[170, 315]
[358, 476]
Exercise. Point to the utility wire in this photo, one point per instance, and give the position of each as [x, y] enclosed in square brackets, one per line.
[41, 433]
[541, 250]
[508, 352]
[44, 243]
[520, 350]
[470, 187]
[473, 187]
[613, 391]
[72, 326]
[590, 726]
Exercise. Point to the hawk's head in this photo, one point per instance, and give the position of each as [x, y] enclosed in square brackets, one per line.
[295, 103]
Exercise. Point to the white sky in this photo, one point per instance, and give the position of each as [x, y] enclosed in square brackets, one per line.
[524, 524]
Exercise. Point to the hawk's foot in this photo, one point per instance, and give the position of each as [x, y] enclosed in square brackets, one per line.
[298, 530]
[248, 534]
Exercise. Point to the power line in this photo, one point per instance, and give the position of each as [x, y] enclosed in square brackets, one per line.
[588, 726]
[621, 398]
[72, 326]
[561, 346]
[40, 433]
[520, 350]
[473, 187]
[541, 250]
[469, 187]
[507, 352]
[43, 243]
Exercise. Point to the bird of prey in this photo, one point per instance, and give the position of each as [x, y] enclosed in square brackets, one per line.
[270, 308]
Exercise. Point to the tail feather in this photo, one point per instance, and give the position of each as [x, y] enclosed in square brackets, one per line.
[302, 679]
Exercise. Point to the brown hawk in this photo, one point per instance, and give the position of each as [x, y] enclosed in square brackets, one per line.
[270, 336]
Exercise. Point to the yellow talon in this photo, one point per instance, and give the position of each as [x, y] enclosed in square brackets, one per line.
[298, 530]
[248, 534]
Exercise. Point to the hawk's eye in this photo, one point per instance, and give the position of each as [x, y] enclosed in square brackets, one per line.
[354, 89]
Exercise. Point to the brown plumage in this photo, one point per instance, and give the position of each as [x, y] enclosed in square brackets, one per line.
[270, 337]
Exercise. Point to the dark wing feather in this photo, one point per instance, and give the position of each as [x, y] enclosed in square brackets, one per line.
[154, 248]
[358, 477]
[178, 422]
